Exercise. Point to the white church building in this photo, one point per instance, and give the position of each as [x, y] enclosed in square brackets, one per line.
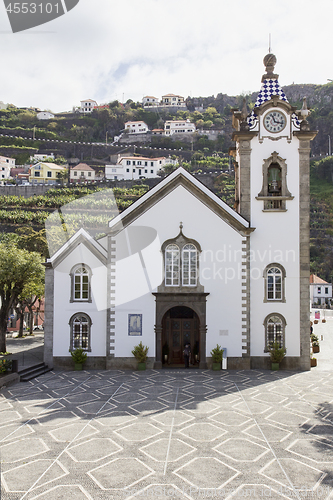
[179, 265]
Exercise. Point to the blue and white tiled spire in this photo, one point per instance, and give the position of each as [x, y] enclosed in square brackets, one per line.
[269, 88]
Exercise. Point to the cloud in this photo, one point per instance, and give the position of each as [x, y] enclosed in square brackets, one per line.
[102, 50]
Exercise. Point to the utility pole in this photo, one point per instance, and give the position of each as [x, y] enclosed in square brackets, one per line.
[329, 146]
[34, 133]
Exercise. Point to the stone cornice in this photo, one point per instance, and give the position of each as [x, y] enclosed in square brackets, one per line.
[243, 136]
[305, 135]
[275, 102]
[176, 296]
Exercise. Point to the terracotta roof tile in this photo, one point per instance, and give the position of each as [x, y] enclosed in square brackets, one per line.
[316, 280]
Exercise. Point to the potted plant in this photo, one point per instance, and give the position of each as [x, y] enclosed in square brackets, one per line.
[165, 352]
[5, 365]
[277, 353]
[217, 355]
[313, 362]
[315, 346]
[315, 343]
[140, 353]
[79, 356]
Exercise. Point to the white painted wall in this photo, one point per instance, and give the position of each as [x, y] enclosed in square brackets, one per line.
[65, 309]
[275, 239]
[317, 292]
[138, 127]
[44, 115]
[137, 278]
[137, 168]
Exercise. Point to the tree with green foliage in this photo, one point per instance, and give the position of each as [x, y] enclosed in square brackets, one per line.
[18, 268]
[33, 241]
[32, 291]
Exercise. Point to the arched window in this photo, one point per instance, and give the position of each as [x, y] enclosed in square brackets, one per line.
[80, 283]
[80, 327]
[274, 276]
[274, 330]
[181, 263]
[189, 265]
[172, 265]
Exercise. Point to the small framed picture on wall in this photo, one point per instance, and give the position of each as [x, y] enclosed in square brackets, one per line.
[135, 324]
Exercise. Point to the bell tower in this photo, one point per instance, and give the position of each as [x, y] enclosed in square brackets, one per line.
[272, 157]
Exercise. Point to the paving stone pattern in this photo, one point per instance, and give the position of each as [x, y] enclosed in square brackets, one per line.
[185, 434]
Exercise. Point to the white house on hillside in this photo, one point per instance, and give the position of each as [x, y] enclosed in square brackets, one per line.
[41, 157]
[6, 164]
[173, 100]
[87, 106]
[150, 100]
[138, 127]
[179, 127]
[44, 115]
[320, 291]
[136, 167]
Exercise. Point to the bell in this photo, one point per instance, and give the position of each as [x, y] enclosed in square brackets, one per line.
[273, 187]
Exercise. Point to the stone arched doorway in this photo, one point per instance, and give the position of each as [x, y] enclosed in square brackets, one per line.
[180, 325]
[194, 301]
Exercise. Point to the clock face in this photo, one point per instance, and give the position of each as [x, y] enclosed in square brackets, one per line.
[275, 121]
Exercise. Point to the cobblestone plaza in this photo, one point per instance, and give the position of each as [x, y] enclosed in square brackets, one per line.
[169, 434]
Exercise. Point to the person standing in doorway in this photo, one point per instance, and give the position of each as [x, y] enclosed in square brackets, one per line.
[187, 355]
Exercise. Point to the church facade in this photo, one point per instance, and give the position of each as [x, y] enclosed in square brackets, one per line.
[180, 266]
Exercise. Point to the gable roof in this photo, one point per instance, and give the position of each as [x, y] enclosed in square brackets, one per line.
[82, 166]
[172, 95]
[314, 279]
[82, 236]
[146, 158]
[181, 177]
[51, 166]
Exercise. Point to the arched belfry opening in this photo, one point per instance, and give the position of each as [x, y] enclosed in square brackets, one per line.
[180, 326]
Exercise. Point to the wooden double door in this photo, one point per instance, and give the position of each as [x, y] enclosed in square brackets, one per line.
[180, 326]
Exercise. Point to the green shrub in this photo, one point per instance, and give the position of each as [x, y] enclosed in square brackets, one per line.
[5, 365]
[276, 352]
[140, 352]
[79, 355]
[217, 354]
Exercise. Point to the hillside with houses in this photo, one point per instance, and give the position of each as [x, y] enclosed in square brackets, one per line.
[140, 141]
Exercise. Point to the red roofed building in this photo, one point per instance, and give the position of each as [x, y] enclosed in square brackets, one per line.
[82, 173]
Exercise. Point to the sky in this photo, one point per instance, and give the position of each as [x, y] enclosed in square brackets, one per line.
[126, 49]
